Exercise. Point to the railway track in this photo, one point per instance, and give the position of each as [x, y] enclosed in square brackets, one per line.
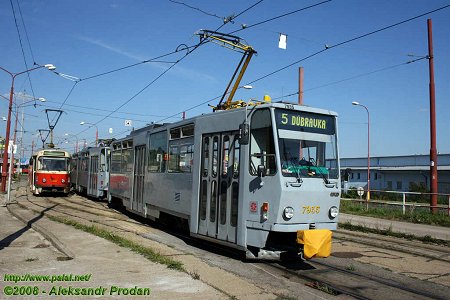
[332, 275]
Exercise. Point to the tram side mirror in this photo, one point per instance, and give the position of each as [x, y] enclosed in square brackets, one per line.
[243, 133]
[261, 171]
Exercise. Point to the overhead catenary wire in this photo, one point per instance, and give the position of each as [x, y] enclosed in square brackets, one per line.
[21, 47]
[319, 52]
[353, 77]
[281, 16]
[197, 9]
[105, 110]
[164, 72]
[96, 114]
[26, 31]
[328, 47]
[155, 59]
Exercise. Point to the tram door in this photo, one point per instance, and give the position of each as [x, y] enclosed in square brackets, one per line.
[92, 177]
[219, 187]
[138, 182]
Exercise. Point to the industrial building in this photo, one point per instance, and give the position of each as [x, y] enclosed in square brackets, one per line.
[395, 173]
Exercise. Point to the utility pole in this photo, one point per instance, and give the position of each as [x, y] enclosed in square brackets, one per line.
[433, 151]
[300, 85]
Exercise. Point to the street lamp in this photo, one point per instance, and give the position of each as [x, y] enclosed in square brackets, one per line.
[96, 130]
[368, 147]
[8, 124]
[76, 137]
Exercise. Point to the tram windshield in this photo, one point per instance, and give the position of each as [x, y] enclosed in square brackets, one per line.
[53, 163]
[307, 145]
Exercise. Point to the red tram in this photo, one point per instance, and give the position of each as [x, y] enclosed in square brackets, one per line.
[49, 171]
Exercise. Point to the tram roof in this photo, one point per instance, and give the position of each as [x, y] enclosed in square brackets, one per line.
[241, 110]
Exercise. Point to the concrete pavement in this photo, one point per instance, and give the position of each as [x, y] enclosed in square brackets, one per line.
[32, 244]
[109, 267]
[71, 251]
[420, 230]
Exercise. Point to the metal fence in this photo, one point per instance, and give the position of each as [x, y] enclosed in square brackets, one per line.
[406, 200]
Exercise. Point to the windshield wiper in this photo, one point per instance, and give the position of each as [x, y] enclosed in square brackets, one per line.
[318, 170]
[292, 167]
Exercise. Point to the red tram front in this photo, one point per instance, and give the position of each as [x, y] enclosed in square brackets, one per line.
[49, 172]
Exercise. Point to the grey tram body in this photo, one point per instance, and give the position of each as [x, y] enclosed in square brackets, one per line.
[90, 171]
[200, 170]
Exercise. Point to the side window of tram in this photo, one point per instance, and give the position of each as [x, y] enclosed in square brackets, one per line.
[173, 159]
[205, 158]
[215, 156]
[225, 155]
[116, 160]
[180, 158]
[262, 146]
[157, 154]
[236, 149]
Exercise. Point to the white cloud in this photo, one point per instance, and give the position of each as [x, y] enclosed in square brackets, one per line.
[111, 48]
[177, 70]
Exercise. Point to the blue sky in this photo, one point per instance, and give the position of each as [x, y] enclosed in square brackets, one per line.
[84, 38]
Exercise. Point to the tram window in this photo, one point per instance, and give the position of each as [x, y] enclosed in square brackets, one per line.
[225, 155]
[186, 158]
[157, 152]
[234, 203]
[262, 146]
[116, 160]
[205, 160]
[187, 131]
[127, 160]
[175, 133]
[212, 201]
[174, 158]
[215, 157]
[236, 157]
[203, 200]
[53, 163]
[223, 202]
[84, 164]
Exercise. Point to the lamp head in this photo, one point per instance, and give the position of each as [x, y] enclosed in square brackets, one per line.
[355, 103]
[82, 123]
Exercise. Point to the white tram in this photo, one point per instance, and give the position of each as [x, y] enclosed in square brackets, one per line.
[89, 172]
[264, 179]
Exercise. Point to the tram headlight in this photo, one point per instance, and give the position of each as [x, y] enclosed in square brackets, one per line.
[63, 181]
[288, 213]
[44, 180]
[334, 211]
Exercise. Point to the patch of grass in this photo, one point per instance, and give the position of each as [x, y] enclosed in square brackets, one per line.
[147, 252]
[323, 287]
[350, 268]
[195, 275]
[395, 213]
[388, 232]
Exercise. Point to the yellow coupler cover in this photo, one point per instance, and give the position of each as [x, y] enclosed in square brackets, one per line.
[316, 242]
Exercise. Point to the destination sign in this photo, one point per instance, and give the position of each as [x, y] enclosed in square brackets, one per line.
[304, 121]
[54, 153]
